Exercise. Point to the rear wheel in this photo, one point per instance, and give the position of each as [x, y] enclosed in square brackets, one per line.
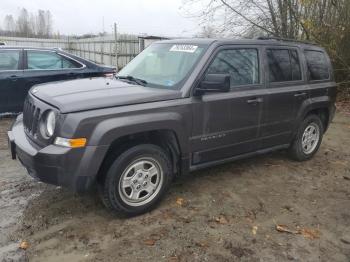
[136, 180]
[308, 138]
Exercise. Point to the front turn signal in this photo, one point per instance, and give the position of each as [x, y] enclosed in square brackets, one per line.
[70, 142]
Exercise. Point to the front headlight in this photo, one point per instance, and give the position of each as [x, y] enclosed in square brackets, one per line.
[50, 123]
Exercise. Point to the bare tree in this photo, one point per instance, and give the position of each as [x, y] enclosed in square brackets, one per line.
[29, 24]
[41, 23]
[326, 22]
[10, 24]
[24, 28]
[207, 32]
[48, 23]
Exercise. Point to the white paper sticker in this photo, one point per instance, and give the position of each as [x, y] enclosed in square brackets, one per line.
[184, 48]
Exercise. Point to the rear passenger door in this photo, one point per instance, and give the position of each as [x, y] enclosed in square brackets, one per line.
[287, 89]
[227, 124]
[11, 77]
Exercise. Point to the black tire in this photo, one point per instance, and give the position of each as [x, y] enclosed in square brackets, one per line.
[296, 150]
[112, 195]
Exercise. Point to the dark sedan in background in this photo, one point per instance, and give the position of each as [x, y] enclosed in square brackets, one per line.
[22, 67]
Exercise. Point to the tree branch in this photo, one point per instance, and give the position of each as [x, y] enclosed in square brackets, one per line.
[247, 19]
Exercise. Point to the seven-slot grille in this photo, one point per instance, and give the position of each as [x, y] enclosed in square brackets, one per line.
[31, 116]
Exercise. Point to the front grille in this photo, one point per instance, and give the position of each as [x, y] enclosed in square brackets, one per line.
[31, 117]
[34, 111]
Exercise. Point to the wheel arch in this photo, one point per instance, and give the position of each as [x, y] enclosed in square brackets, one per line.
[319, 106]
[167, 139]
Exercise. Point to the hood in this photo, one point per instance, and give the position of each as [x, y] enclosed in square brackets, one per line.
[94, 93]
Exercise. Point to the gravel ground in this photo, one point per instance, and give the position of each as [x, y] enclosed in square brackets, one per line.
[226, 213]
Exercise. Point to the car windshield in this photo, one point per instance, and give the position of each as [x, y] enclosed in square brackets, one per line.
[163, 65]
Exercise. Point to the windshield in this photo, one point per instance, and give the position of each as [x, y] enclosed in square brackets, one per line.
[163, 65]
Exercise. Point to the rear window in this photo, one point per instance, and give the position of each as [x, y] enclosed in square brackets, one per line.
[317, 65]
[49, 61]
[9, 59]
[284, 65]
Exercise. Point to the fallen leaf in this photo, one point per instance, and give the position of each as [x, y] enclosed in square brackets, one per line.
[221, 220]
[339, 162]
[254, 230]
[305, 232]
[249, 220]
[272, 165]
[174, 259]
[180, 201]
[185, 219]
[284, 228]
[310, 233]
[288, 208]
[150, 242]
[24, 245]
[345, 241]
[167, 214]
[202, 244]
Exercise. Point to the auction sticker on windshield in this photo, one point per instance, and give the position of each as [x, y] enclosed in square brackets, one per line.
[184, 48]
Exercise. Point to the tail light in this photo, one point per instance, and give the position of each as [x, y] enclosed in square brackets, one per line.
[109, 75]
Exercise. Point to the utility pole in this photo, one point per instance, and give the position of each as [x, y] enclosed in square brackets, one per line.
[116, 45]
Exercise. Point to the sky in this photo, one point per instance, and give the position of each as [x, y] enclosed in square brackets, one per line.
[152, 17]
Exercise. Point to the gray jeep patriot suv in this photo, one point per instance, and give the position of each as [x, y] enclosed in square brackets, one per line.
[179, 106]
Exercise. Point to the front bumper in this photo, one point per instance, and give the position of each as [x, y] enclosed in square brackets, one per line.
[70, 168]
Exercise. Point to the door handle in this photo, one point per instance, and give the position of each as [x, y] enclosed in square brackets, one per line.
[255, 100]
[300, 94]
[14, 77]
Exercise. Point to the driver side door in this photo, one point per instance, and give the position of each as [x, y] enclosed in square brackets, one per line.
[227, 124]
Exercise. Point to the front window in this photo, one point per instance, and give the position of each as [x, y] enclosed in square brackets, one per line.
[164, 65]
[241, 64]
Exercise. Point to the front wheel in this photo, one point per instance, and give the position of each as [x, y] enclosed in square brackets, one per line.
[308, 138]
[137, 180]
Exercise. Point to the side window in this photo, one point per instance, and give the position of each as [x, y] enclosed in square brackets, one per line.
[284, 65]
[241, 64]
[48, 60]
[9, 59]
[67, 63]
[317, 65]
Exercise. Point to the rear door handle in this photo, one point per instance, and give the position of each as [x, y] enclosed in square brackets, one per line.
[300, 94]
[255, 100]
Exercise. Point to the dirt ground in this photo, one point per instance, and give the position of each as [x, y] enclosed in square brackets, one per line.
[226, 213]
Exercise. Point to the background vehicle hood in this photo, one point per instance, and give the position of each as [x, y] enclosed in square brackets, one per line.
[93, 93]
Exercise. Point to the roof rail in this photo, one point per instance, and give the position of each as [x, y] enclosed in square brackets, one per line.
[284, 39]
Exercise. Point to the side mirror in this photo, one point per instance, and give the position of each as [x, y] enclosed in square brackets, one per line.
[214, 83]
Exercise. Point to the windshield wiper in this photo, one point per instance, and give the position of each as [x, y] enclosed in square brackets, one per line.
[133, 79]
